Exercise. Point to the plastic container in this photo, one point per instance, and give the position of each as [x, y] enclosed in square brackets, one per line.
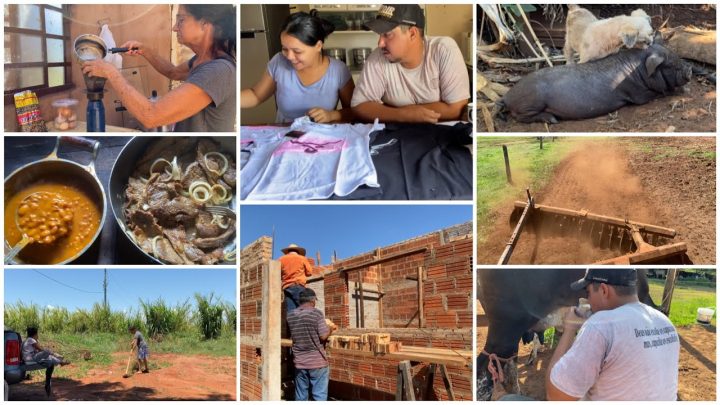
[705, 315]
[65, 113]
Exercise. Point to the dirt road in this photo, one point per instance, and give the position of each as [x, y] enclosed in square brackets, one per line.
[614, 177]
[177, 377]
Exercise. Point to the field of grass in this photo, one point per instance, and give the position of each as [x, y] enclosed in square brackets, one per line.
[530, 167]
[208, 328]
[687, 298]
[101, 346]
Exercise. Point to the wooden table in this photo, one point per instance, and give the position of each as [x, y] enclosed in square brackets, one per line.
[110, 247]
[82, 127]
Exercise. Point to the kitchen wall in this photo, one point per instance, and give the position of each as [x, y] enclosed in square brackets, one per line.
[149, 24]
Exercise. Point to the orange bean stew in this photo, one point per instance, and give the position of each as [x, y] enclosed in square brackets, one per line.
[60, 218]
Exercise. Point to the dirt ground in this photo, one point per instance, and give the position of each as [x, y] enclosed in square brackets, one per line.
[612, 177]
[179, 377]
[690, 110]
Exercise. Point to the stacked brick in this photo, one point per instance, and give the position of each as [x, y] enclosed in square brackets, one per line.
[253, 259]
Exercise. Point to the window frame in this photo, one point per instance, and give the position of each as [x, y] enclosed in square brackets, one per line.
[43, 89]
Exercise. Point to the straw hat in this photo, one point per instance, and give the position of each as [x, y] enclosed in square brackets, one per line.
[294, 247]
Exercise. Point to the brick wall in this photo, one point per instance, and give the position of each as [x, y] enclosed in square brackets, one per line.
[253, 259]
[447, 263]
[364, 378]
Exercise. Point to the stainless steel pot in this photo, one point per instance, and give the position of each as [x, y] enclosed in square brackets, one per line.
[337, 53]
[53, 165]
[124, 167]
[360, 55]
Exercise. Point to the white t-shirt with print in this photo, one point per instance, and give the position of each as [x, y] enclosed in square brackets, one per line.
[629, 353]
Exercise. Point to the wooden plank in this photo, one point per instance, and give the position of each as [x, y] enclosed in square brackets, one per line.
[448, 382]
[421, 309]
[362, 299]
[383, 259]
[455, 360]
[271, 325]
[408, 387]
[399, 385]
[430, 382]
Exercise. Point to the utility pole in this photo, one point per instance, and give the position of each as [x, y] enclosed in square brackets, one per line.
[105, 283]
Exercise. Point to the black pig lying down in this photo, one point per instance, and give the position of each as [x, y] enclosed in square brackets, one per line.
[588, 90]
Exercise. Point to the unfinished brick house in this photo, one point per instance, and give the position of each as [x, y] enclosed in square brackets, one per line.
[404, 314]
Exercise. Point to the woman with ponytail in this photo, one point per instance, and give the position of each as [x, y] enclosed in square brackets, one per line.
[303, 79]
[207, 100]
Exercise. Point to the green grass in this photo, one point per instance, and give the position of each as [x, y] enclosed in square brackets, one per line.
[102, 345]
[530, 167]
[687, 298]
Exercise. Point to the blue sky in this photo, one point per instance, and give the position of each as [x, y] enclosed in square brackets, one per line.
[125, 286]
[347, 229]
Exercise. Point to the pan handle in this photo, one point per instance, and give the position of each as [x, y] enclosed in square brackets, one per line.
[80, 143]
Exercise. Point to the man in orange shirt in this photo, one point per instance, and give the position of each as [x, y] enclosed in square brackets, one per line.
[295, 269]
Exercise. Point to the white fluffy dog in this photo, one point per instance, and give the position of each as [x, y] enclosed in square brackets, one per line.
[595, 39]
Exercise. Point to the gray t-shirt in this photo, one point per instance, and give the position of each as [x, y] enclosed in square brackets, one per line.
[217, 78]
[629, 353]
[442, 76]
[138, 337]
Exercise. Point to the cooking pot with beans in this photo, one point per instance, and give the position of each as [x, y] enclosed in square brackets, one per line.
[59, 203]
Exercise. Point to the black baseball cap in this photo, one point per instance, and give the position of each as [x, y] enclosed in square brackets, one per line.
[307, 293]
[623, 277]
[391, 15]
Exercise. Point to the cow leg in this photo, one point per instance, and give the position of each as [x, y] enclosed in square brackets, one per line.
[48, 380]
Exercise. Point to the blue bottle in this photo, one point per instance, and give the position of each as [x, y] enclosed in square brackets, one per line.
[95, 116]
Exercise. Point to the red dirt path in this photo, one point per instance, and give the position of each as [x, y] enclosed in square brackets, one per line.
[179, 377]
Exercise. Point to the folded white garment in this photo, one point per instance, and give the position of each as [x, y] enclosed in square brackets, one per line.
[318, 161]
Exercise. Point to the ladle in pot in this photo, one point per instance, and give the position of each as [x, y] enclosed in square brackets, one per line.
[49, 236]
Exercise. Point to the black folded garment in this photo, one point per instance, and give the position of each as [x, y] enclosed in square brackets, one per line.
[426, 162]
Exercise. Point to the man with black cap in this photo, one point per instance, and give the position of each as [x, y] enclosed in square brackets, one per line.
[410, 77]
[625, 350]
[295, 269]
[309, 332]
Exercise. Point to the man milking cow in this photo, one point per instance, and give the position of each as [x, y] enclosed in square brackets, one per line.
[625, 350]
[621, 349]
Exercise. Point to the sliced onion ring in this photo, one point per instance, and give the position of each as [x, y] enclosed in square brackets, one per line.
[222, 157]
[198, 187]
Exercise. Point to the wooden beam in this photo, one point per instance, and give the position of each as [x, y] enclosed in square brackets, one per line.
[383, 259]
[421, 309]
[406, 370]
[448, 382]
[271, 325]
[362, 300]
[456, 359]
[429, 382]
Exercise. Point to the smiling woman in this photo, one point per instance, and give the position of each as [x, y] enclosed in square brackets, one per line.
[303, 79]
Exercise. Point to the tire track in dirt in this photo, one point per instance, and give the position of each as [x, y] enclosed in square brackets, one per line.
[596, 177]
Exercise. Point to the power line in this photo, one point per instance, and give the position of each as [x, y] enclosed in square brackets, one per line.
[66, 285]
